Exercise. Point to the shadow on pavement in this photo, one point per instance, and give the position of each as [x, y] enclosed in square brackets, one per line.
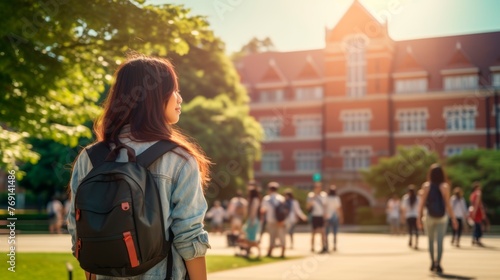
[453, 276]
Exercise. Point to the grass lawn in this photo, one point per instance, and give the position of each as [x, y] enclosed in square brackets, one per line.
[31, 266]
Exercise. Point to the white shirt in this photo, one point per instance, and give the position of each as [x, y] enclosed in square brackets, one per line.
[268, 203]
[217, 214]
[319, 202]
[333, 204]
[410, 211]
[393, 206]
[459, 207]
[295, 212]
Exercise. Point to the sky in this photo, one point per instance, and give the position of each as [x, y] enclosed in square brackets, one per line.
[300, 24]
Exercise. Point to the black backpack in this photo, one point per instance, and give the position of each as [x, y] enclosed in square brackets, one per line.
[435, 202]
[281, 210]
[119, 219]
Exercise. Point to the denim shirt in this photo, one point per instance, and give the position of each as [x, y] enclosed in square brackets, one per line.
[184, 206]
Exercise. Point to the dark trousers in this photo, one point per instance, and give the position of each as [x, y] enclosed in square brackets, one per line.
[478, 231]
[457, 232]
[412, 226]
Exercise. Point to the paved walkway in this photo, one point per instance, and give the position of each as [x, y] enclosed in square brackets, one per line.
[359, 256]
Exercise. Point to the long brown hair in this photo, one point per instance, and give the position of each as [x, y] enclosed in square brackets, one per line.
[139, 96]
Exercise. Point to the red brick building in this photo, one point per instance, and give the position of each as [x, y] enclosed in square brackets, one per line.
[339, 109]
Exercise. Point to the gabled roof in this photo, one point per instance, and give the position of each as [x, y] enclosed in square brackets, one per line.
[436, 54]
[288, 66]
[408, 63]
[309, 71]
[459, 59]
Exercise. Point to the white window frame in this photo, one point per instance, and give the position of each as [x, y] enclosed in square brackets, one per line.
[412, 120]
[309, 93]
[410, 85]
[356, 121]
[355, 158]
[271, 161]
[307, 160]
[308, 125]
[271, 95]
[461, 82]
[460, 118]
[272, 127]
[452, 150]
[356, 66]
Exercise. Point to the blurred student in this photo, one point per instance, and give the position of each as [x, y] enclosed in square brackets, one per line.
[392, 210]
[237, 212]
[477, 214]
[334, 215]
[55, 211]
[275, 228]
[459, 207]
[409, 210]
[435, 198]
[217, 215]
[316, 204]
[252, 224]
[294, 215]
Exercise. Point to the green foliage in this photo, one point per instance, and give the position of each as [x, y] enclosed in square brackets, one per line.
[482, 166]
[229, 137]
[394, 174]
[55, 57]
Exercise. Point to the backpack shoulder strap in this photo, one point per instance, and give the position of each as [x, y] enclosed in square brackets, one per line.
[98, 153]
[154, 152]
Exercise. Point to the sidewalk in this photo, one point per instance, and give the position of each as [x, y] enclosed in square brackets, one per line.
[359, 256]
[370, 256]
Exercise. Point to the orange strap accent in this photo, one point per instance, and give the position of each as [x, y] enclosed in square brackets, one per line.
[77, 215]
[78, 247]
[132, 254]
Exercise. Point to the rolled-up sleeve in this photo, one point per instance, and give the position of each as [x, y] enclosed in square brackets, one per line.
[188, 208]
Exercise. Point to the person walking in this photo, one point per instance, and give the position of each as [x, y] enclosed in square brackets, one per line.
[459, 207]
[55, 211]
[393, 210]
[275, 229]
[435, 198]
[316, 204]
[141, 108]
[334, 215]
[217, 215]
[294, 215]
[237, 212]
[409, 210]
[477, 214]
[252, 224]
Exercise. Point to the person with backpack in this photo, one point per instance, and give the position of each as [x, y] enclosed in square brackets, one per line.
[274, 208]
[409, 210]
[295, 214]
[137, 201]
[435, 198]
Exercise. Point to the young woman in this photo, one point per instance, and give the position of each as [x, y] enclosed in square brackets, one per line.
[252, 225]
[459, 206]
[294, 214]
[435, 197]
[142, 106]
[409, 208]
[393, 211]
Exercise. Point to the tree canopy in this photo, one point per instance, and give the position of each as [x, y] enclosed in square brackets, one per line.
[482, 166]
[57, 58]
[394, 174]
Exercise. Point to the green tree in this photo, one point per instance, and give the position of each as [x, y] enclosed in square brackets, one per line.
[482, 166]
[394, 174]
[57, 58]
[56, 55]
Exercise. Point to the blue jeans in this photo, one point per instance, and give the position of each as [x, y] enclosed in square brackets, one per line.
[435, 229]
[478, 231]
[332, 225]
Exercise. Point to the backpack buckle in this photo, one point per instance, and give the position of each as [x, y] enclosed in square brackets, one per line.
[125, 206]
